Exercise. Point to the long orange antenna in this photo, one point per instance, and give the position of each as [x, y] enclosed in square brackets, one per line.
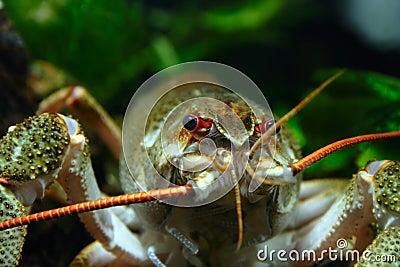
[166, 193]
[321, 153]
[103, 203]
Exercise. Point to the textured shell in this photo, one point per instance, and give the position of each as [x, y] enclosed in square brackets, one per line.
[11, 240]
[387, 186]
[33, 148]
[161, 110]
[214, 225]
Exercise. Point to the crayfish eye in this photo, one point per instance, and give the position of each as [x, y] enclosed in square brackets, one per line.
[199, 127]
[190, 122]
[265, 125]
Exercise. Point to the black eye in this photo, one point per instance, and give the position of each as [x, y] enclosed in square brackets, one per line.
[263, 127]
[190, 122]
[269, 124]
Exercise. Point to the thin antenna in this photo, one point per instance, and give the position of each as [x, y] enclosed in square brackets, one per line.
[293, 111]
[164, 193]
[238, 204]
[321, 153]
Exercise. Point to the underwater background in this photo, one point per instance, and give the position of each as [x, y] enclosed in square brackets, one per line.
[286, 47]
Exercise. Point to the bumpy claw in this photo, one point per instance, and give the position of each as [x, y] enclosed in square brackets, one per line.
[386, 193]
[37, 152]
[33, 148]
[30, 155]
[384, 250]
[370, 199]
[11, 240]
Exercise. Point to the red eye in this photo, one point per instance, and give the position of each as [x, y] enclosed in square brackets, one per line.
[265, 125]
[196, 124]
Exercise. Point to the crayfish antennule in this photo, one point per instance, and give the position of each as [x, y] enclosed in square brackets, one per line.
[293, 112]
[238, 203]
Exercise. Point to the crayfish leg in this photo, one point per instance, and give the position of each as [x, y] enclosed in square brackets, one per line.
[318, 194]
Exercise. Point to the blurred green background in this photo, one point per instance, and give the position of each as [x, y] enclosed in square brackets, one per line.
[286, 47]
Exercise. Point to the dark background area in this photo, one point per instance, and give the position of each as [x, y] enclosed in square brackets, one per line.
[286, 47]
